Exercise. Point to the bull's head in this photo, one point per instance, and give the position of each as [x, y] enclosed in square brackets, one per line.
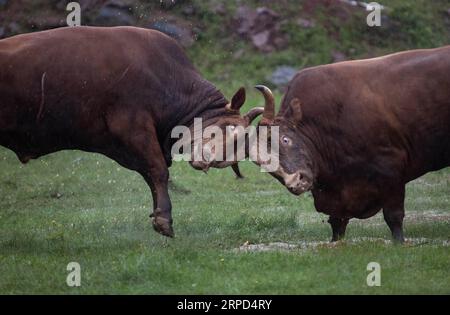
[220, 133]
[296, 169]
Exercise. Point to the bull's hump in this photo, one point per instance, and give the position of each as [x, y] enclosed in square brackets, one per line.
[87, 47]
[85, 36]
[91, 30]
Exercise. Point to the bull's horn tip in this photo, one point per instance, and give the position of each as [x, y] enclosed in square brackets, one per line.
[260, 87]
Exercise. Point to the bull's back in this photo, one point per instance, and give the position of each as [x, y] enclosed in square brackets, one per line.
[411, 93]
[84, 59]
[395, 108]
[57, 85]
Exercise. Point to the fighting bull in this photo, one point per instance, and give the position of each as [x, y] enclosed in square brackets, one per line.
[115, 91]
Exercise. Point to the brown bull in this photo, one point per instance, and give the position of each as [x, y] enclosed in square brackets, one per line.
[356, 132]
[115, 91]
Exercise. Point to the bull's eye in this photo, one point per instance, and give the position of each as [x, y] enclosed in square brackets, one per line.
[285, 140]
[232, 128]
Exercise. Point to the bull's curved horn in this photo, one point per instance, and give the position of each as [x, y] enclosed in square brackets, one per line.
[252, 114]
[269, 107]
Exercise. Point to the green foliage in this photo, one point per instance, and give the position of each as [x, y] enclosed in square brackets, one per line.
[228, 60]
[74, 206]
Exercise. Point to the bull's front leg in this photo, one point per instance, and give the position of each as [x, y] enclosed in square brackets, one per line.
[338, 225]
[394, 212]
[158, 179]
[138, 138]
[153, 168]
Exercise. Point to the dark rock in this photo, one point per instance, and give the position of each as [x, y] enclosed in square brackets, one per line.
[261, 27]
[260, 40]
[245, 17]
[113, 17]
[182, 34]
[282, 75]
[338, 56]
[84, 4]
[115, 13]
[448, 12]
[255, 21]
[304, 23]
[14, 28]
[280, 41]
[350, 2]
[189, 10]
[60, 5]
[121, 4]
[2, 32]
[386, 21]
[47, 23]
[239, 53]
[56, 195]
[168, 4]
[219, 8]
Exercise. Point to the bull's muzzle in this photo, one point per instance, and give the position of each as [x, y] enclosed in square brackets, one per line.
[298, 182]
[202, 157]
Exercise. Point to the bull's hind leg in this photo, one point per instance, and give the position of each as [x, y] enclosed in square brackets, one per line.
[394, 212]
[338, 226]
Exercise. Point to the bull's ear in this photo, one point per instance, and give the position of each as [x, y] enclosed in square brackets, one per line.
[238, 99]
[295, 110]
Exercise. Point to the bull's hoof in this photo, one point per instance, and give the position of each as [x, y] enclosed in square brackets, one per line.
[163, 226]
[398, 241]
[398, 238]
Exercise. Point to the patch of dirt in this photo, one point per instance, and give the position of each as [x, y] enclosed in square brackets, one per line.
[427, 216]
[312, 245]
[410, 217]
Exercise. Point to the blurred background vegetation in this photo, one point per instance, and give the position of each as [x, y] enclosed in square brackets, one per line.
[235, 42]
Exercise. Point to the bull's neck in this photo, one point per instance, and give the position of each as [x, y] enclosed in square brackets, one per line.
[205, 103]
[318, 151]
[322, 153]
[208, 115]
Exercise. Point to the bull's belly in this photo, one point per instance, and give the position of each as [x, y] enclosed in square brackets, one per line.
[29, 146]
[34, 143]
[352, 201]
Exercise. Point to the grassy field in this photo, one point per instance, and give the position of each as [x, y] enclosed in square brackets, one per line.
[75, 206]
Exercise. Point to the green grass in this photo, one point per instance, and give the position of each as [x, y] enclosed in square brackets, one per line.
[101, 216]
[101, 221]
